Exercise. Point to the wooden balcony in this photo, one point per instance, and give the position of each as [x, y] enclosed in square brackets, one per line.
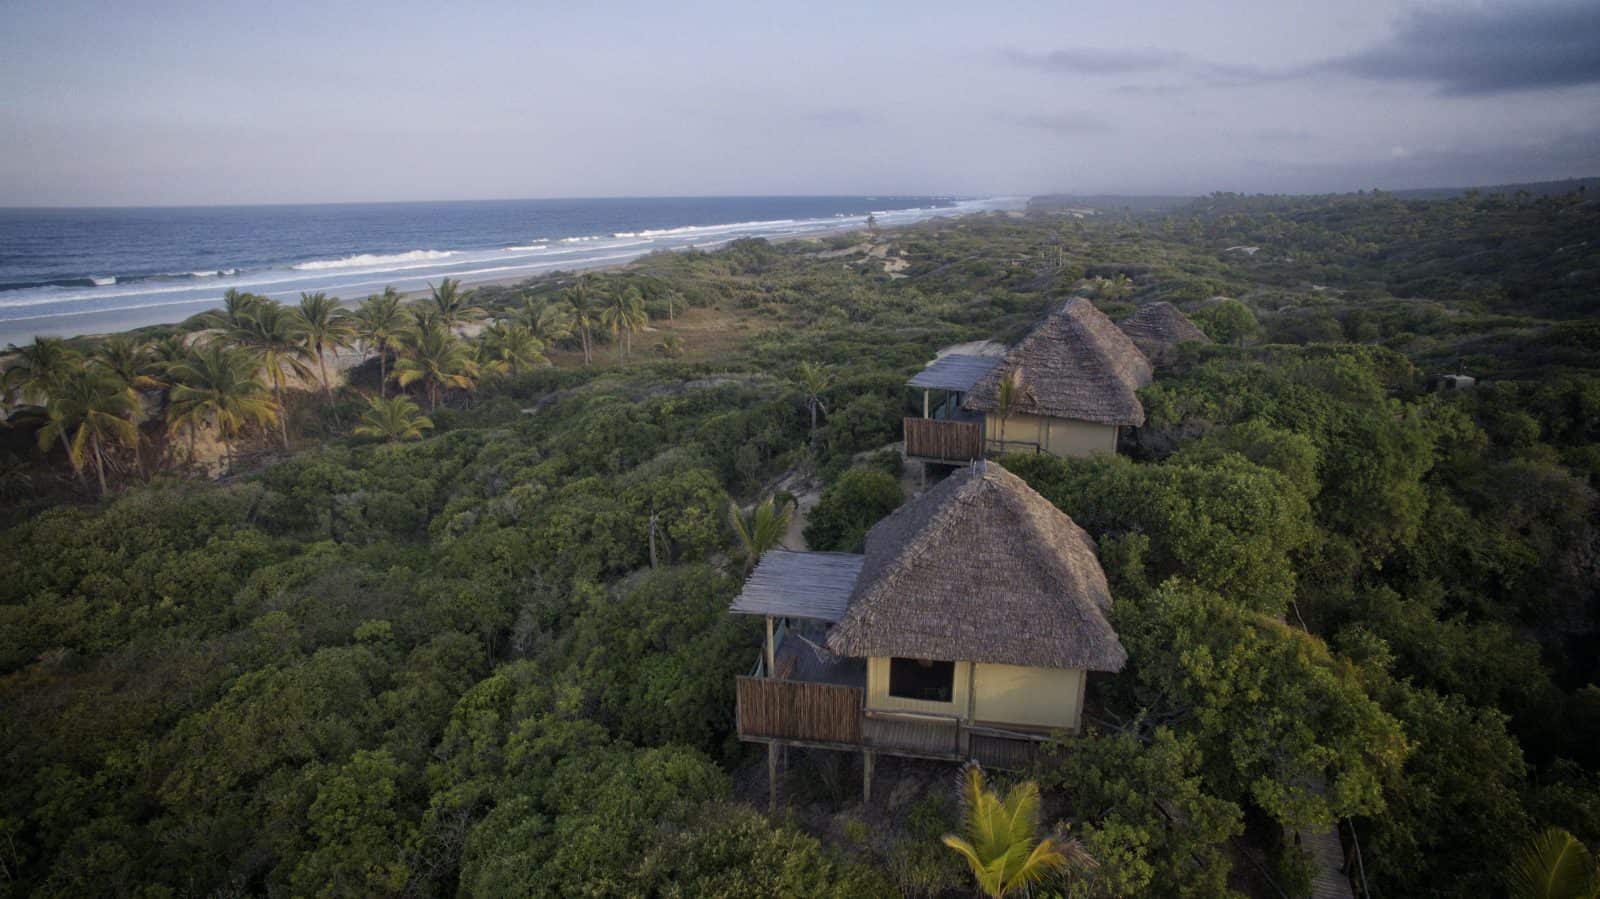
[832, 716]
[940, 440]
[799, 712]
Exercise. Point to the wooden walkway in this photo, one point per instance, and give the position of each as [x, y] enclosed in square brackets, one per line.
[1330, 881]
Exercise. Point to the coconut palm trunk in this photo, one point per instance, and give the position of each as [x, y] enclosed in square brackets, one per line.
[283, 411]
[99, 462]
[322, 368]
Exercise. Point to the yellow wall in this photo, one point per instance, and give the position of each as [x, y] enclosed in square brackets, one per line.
[1058, 436]
[999, 694]
[1033, 697]
[878, 692]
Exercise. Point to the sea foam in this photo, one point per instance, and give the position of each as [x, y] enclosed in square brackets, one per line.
[360, 259]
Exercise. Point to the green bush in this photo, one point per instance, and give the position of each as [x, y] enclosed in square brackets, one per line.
[849, 507]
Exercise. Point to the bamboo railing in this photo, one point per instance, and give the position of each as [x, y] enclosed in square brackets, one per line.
[797, 710]
[951, 441]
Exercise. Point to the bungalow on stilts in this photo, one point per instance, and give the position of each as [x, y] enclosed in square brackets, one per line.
[1065, 389]
[967, 630]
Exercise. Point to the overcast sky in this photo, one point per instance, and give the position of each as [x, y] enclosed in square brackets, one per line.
[260, 102]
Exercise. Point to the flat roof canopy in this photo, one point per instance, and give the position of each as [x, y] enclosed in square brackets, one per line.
[789, 584]
[954, 372]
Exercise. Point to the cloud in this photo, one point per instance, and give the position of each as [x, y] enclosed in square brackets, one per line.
[1568, 155]
[1094, 61]
[1491, 50]
[1149, 61]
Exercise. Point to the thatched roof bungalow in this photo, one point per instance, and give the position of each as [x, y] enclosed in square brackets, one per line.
[1157, 329]
[1065, 389]
[970, 627]
[1075, 380]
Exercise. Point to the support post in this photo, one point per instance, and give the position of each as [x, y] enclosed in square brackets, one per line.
[772, 652]
[866, 776]
[772, 778]
[924, 402]
[963, 732]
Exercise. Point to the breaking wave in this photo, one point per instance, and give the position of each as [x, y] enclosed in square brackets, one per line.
[360, 259]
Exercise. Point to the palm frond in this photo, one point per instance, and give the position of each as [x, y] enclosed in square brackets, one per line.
[1553, 865]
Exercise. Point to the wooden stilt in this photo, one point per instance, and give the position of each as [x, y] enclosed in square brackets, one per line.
[772, 778]
[866, 777]
[772, 651]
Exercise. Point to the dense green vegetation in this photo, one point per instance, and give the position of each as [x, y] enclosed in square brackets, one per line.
[488, 654]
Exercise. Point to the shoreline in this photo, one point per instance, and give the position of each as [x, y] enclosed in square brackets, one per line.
[164, 319]
[92, 324]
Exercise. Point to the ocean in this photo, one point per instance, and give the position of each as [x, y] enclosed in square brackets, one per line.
[66, 272]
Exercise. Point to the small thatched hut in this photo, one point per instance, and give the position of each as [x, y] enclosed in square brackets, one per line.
[966, 630]
[1157, 329]
[1074, 381]
[982, 600]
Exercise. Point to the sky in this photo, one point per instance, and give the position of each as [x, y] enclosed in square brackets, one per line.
[156, 103]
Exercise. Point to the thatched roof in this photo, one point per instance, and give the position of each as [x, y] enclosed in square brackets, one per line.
[981, 568]
[1075, 364]
[788, 584]
[1158, 327]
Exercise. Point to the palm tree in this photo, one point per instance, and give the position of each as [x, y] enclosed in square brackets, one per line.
[454, 305]
[393, 419]
[1554, 865]
[585, 313]
[1007, 393]
[236, 307]
[437, 358]
[129, 360]
[671, 346]
[510, 347]
[378, 324]
[1001, 843]
[654, 290]
[324, 326]
[624, 314]
[814, 381]
[37, 368]
[762, 528]
[90, 411]
[217, 384]
[271, 330]
[549, 322]
[165, 352]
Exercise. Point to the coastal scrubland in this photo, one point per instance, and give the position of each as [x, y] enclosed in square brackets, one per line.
[451, 620]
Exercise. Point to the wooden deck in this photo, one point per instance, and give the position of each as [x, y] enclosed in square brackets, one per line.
[941, 440]
[834, 716]
[1003, 753]
[911, 737]
[1330, 881]
[794, 710]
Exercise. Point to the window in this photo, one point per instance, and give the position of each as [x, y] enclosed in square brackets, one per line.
[922, 679]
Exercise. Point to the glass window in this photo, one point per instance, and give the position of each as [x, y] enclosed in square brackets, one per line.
[922, 679]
